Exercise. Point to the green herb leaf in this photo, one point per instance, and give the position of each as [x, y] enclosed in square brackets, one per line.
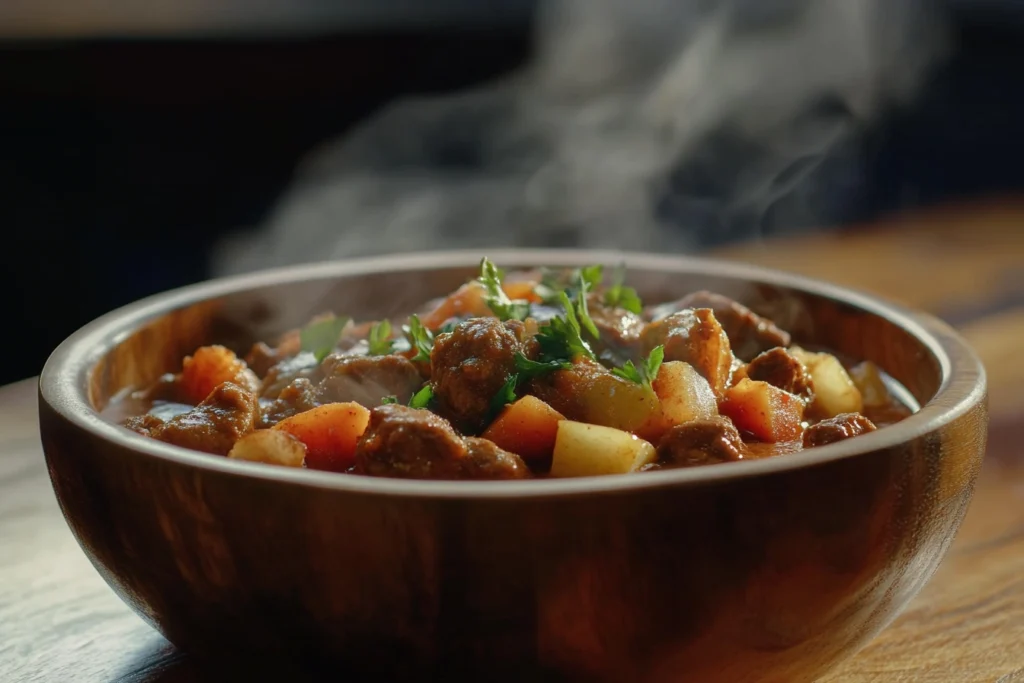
[560, 340]
[505, 395]
[320, 337]
[584, 312]
[495, 297]
[449, 326]
[530, 368]
[554, 282]
[420, 338]
[422, 398]
[620, 296]
[652, 364]
[630, 372]
[388, 400]
[592, 275]
[648, 370]
[379, 339]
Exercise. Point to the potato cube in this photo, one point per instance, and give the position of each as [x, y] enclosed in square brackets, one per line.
[583, 450]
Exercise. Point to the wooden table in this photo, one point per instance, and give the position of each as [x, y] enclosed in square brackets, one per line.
[59, 622]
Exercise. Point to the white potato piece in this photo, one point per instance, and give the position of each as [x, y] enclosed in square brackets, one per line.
[586, 450]
[834, 390]
[684, 393]
[270, 446]
[868, 379]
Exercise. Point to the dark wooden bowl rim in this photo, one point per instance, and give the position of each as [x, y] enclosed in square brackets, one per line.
[63, 381]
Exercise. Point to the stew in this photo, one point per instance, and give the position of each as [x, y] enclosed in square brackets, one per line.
[545, 373]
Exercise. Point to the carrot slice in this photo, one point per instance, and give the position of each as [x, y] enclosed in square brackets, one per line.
[769, 413]
[208, 368]
[330, 432]
[527, 428]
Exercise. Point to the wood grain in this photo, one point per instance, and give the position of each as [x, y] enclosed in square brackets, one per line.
[60, 622]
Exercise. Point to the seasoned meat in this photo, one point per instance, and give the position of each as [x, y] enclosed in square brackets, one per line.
[781, 369]
[749, 333]
[417, 444]
[410, 443]
[297, 397]
[485, 460]
[836, 429]
[227, 414]
[470, 365]
[694, 337]
[284, 373]
[143, 424]
[261, 358]
[620, 332]
[406, 442]
[367, 379]
[701, 442]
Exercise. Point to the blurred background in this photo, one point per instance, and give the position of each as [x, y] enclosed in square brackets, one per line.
[149, 144]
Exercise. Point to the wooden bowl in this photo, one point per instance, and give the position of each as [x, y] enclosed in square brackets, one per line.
[770, 570]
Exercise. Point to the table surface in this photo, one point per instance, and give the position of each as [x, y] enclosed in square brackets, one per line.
[59, 621]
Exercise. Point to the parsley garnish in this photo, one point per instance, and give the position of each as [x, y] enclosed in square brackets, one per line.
[388, 400]
[505, 395]
[620, 296]
[379, 339]
[530, 368]
[496, 298]
[584, 312]
[554, 282]
[321, 336]
[422, 398]
[560, 340]
[648, 370]
[420, 338]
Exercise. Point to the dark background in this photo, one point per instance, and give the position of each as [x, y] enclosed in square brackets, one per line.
[122, 161]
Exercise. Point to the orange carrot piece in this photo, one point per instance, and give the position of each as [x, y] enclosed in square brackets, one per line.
[330, 432]
[523, 289]
[527, 428]
[769, 413]
[208, 368]
[466, 300]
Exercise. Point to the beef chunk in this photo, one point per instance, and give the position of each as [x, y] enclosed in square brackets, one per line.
[409, 443]
[297, 397]
[781, 369]
[143, 424]
[417, 444]
[485, 460]
[469, 366]
[844, 426]
[213, 426]
[701, 442]
[289, 369]
[694, 337]
[619, 329]
[367, 379]
[749, 333]
[261, 358]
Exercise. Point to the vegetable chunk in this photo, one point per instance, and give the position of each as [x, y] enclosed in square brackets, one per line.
[330, 433]
[208, 368]
[273, 447]
[834, 390]
[765, 411]
[584, 450]
[527, 427]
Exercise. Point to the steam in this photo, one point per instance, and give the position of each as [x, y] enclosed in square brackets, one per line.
[641, 124]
